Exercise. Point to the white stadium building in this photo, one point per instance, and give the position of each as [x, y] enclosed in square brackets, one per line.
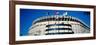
[58, 24]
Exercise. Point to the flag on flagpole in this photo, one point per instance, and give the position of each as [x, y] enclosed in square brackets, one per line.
[65, 13]
[56, 13]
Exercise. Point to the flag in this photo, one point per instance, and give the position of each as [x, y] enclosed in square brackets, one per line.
[65, 13]
[56, 13]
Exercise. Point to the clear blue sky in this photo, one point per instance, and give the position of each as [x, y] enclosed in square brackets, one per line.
[27, 16]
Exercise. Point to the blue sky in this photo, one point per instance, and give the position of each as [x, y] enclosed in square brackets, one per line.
[27, 16]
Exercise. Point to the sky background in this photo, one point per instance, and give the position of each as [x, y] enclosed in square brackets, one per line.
[27, 16]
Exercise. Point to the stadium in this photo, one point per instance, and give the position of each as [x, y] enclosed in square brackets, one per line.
[58, 24]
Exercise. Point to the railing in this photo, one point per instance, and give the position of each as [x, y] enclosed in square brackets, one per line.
[55, 16]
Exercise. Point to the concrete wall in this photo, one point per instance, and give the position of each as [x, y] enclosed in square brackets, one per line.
[39, 28]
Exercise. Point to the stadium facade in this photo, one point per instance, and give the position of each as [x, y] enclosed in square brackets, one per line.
[58, 24]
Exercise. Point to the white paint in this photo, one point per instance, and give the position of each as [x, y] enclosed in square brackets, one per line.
[52, 8]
